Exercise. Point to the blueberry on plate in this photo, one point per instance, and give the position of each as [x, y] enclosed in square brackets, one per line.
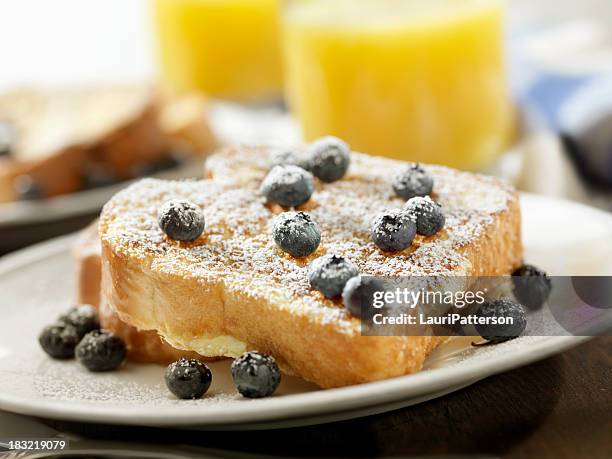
[296, 233]
[59, 340]
[255, 375]
[181, 220]
[291, 158]
[427, 214]
[413, 181]
[358, 295]
[329, 158]
[188, 378]
[287, 186]
[84, 318]
[330, 273]
[532, 286]
[495, 311]
[100, 350]
[393, 231]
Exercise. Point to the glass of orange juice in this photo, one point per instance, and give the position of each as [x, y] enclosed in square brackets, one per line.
[229, 49]
[421, 80]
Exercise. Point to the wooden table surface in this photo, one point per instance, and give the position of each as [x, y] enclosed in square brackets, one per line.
[560, 407]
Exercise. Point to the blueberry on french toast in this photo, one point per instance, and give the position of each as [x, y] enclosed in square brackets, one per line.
[393, 231]
[296, 233]
[181, 220]
[291, 158]
[427, 215]
[358, 295]
[413, 181]
[287, 186]
[330, 273]
[329, 158]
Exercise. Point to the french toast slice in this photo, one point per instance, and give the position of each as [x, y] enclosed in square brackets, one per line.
[64, 137]
[233, 290]
[142, 345]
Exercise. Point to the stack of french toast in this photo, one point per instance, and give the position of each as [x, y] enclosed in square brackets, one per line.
[232, 289]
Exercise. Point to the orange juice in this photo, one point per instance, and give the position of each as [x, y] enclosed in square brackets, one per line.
[421, 80]
[226, 48]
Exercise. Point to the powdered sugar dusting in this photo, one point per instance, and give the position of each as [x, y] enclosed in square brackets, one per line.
[237, 246]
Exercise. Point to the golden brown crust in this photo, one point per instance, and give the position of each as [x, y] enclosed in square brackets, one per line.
[232, 290]
[143, 346]
[86, 254]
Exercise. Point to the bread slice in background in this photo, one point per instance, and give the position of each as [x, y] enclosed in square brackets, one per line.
[61, 135]
[233, 290]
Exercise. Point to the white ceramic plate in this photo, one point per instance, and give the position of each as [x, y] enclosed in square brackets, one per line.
[37, 285]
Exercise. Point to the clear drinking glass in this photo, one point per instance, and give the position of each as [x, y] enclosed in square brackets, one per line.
[228, 49]
[421, 80]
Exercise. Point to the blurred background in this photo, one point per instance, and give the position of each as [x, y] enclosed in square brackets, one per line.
[95, 93]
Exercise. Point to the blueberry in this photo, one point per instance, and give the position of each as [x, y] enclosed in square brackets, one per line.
[427, 214]
[296, 233]
[413, 181]
[531, 286]
[83, 318]
[497, 309]
[330, 273]
[27, 189]
[288, 186]
[188, 378]
[181, 220]
[59, 340]
[255, 375]
[393, 231]
[358, 295]
[329, 158]
[291, 158]
[100, 350]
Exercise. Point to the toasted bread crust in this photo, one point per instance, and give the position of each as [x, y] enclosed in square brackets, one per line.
[86, 254]
[143, 345]
[232, 290]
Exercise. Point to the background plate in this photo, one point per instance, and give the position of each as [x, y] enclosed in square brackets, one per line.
[38, 284]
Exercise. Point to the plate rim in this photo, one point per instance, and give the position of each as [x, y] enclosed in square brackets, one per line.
[288, 407]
